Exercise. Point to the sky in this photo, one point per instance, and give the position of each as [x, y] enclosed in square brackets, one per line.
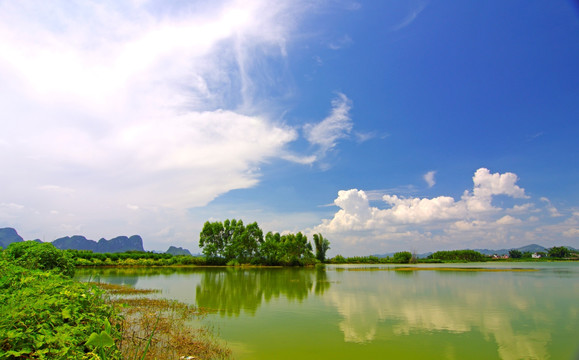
[383, 125]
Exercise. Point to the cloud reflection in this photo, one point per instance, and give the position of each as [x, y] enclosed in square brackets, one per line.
[510, 309]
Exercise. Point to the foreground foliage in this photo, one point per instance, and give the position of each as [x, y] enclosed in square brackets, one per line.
[41, 256]
[48, 315]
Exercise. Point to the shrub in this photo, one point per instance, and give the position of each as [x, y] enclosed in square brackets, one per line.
[41, 256]
[49, 316]
[338, 259]
[402, 257]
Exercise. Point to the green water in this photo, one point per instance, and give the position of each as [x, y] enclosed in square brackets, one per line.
[376, 312]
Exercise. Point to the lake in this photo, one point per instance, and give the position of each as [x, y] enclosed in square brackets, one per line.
[474, 311]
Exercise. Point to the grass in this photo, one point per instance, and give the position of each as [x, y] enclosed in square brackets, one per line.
[159, 328]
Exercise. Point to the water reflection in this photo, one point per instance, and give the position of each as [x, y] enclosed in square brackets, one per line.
[507, 315]
[514, 310]
[231, 290]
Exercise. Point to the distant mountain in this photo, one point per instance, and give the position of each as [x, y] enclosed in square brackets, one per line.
[118, 244]
[9, 236]
[533, 248]
[178, 251]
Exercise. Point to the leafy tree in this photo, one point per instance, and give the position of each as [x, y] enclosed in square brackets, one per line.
[322, 246]
[270, 249]
[213, 240]
[296, 249]
[402, 257]
[515, 254]
[246, 241]
[231, 242]
[559, 252]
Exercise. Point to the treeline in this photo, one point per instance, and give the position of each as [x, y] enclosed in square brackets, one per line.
[402, 257]
[131, 258]
[458, 255]
[232, 243]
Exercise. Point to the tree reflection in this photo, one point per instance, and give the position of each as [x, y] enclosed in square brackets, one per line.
[232, 290]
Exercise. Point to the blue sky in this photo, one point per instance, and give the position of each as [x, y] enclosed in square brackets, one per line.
[384, 125]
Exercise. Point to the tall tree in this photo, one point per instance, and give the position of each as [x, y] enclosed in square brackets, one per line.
[270, 250]
[213, 240]
[515, 254]
[559, 252]
[322, 246]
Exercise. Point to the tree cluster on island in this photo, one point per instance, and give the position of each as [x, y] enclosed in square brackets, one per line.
[231, 242]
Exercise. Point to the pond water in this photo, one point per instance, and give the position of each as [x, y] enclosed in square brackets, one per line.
[474, 311]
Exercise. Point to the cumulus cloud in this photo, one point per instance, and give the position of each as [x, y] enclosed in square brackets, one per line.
[473, 213]
[356, 213]
[508, 220]
[429, 178]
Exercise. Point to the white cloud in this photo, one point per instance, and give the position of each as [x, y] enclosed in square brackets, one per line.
[473, 213]
[336, 126]
[412, 15]
[463, 225]
[341, 43]
[572, 233]
[508, 220]
[113, 103]
[550, 208]
[522, 208]
[429, 178]
[356, 213]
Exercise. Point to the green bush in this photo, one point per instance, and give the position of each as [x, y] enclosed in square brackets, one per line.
[41, 256]
[338, 259]
[402, 257]
[49, 316]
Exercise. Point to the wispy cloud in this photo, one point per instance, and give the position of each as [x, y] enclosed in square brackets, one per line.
[553, 212]
[336, 126]
[429, 178]
[341, 43]
[409, 19]
[534, 136]
[136, 112]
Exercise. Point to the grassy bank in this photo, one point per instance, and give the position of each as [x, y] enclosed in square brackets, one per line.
[48, 315]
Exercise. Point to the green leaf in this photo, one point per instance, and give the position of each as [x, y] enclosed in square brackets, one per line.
[66, 313]
[100, 340]
[107, 326]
